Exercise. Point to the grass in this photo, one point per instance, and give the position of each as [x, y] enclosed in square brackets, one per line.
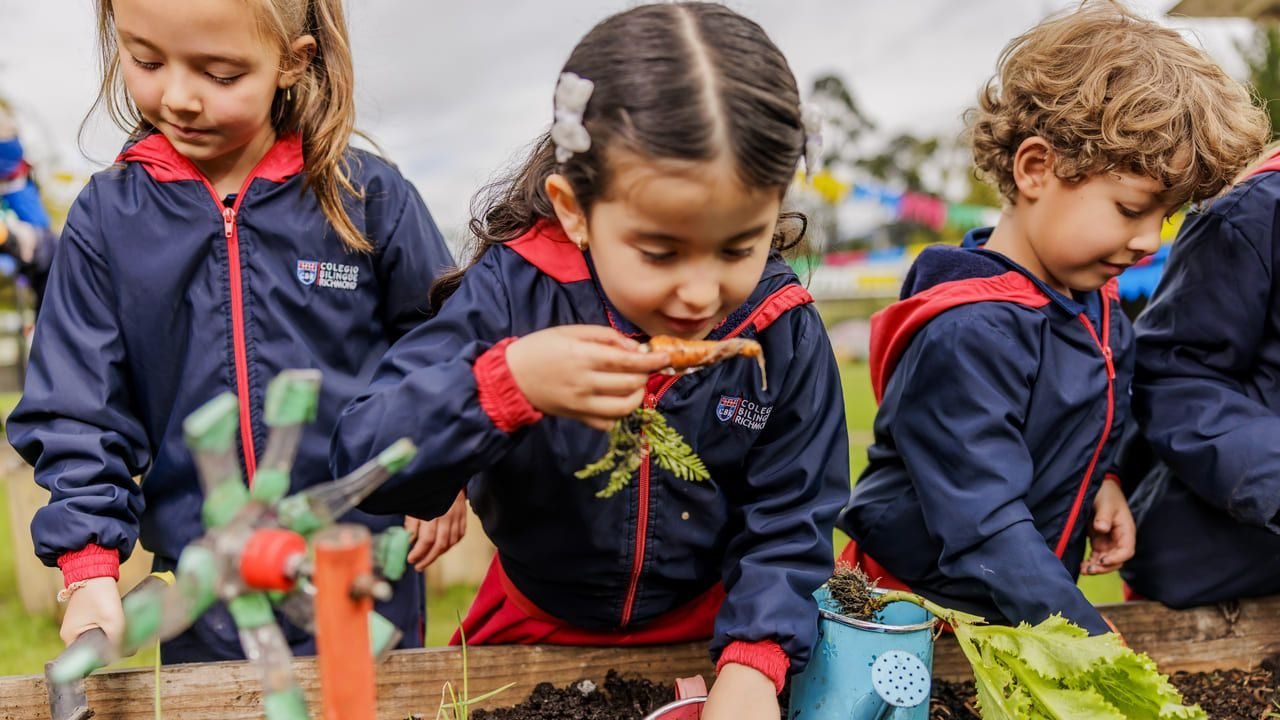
[30, 641]
[444, 607]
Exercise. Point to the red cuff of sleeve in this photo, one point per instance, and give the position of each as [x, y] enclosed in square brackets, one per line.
[1112, 477]
[766, 656]
[94, 561]
[500, 397]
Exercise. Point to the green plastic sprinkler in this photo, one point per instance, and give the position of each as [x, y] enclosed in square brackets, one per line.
[255, 555]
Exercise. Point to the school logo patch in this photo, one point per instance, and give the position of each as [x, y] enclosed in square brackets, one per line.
[727, 408]
[307, 271]
[328, 274]
[741, 411]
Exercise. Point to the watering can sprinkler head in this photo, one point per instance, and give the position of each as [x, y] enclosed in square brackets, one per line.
[898, 680]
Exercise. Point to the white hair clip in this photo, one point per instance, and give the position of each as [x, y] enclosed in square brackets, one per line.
[568, 132]
[811, 117]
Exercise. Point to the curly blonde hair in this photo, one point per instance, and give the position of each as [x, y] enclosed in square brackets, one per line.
[1111, 91]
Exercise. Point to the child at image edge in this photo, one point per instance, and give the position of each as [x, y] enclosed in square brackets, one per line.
[237, 235]
[651, 208]
[1003, 373]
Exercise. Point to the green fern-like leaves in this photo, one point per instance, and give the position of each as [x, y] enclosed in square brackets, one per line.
[645, 430]
[668, 448]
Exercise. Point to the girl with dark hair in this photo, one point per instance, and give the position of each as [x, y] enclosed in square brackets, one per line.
[652, 207]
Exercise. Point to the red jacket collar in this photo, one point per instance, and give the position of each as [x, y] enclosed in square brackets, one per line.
[547, 248]
[1272, 163]
[893, 328]
[164, 163]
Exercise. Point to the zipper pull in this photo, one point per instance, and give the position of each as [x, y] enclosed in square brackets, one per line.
[1111, 366]
[228, 221]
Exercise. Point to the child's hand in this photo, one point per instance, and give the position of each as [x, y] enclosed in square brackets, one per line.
[1113, 533]
[586, 372]
[741, 693]
[94, 605]
[430, 538]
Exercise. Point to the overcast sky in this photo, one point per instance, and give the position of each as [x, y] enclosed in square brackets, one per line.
[452, 91]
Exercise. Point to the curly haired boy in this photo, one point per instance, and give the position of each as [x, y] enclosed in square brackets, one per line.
[1003, 373]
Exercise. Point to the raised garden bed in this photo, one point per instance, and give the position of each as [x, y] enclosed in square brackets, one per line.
[1236, 636]
[1223, 694]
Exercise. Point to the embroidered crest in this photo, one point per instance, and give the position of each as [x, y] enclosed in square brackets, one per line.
[727, 408]
[307, 271]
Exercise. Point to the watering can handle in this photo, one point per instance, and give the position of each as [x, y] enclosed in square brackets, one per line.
[686, 709]
[689, 687]
[691, 695]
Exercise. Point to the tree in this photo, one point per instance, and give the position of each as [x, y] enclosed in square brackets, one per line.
[844, 122]
[904, 162]
[1262, 57]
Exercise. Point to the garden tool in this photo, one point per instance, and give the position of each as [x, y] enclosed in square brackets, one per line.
[254, 556]
[67, 700]
[867, 669]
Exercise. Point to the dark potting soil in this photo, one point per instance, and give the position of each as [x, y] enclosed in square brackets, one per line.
[619, 699]
[1224, 695]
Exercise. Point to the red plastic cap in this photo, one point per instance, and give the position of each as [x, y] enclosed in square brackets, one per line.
[265, 561]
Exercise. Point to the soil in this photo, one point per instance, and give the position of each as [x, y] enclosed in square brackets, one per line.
[1224, 695]
[851, 590]
[619, 699]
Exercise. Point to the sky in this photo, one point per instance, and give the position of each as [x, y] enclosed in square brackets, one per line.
[454, 91]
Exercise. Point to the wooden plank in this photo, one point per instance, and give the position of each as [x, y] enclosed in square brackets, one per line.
[409, 681]
[1228, 635]
[1233, 635]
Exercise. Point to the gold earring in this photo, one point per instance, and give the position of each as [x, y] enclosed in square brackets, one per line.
[288, 94]
[581, 242]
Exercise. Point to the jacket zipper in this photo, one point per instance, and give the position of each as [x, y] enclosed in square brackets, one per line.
[642, 520]
[1104, 344]
[239, 344]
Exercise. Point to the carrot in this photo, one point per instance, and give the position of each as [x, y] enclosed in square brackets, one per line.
[689, 355]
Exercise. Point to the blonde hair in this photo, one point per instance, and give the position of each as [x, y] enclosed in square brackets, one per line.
[322, 109]
[1111, 91]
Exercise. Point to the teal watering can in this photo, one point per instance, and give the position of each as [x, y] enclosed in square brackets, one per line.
[878, 669]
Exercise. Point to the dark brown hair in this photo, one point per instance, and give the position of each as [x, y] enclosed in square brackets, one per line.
[678, 81]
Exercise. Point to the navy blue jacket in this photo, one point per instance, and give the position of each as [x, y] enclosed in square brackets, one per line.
[778, 458]
[161, 298]
[1001, 407]
[1207, 397]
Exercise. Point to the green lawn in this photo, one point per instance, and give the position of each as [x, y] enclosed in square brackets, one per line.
[28, 642]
